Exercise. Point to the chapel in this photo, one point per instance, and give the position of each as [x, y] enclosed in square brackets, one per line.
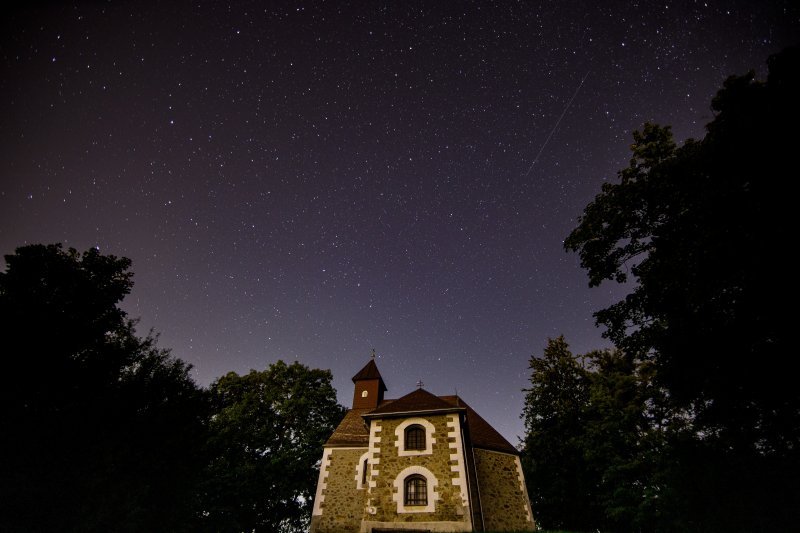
[419, 463]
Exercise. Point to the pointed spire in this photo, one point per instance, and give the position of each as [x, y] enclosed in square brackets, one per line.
[369, 386]
[370, 371]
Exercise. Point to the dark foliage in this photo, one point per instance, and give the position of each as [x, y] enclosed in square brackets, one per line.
[266, 440]
[560, 483]
[102, 431]
[702, 229]
[591, 448]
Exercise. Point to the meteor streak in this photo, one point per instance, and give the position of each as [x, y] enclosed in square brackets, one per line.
[535, 159]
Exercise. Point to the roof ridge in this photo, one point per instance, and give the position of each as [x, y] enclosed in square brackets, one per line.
[417, 400]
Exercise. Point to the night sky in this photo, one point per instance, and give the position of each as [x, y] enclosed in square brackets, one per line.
[309, 181]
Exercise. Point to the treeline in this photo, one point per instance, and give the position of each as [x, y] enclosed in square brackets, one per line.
[693, 422]
[104, 431]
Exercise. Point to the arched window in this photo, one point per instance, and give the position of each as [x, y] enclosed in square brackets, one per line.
[415, 437]
[416, 490]
[362, 472]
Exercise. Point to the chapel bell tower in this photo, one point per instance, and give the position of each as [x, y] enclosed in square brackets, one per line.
[369, 386]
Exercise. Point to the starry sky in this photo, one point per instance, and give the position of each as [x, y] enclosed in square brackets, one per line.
[311, 180]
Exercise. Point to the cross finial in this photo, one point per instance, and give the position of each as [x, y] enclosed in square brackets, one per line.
[420, 384]
[373, 354]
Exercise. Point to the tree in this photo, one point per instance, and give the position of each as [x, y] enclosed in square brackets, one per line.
[266, 440]
[100, 427]
[624, 443]
[701, 228]
[591, 447]
[561, 485]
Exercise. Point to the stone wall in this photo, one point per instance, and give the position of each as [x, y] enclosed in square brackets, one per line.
[340, 504]
[445, 462]
[343, 507]
[504, 498]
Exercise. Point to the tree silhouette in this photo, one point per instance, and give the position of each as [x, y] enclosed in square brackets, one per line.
[102, 431]
[703, 231]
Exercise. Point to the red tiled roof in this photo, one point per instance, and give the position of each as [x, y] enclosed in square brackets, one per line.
[414, 402]
[370, 371]
[351, 431]
[481, 433]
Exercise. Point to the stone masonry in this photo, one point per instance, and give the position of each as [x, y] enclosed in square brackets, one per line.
[505, 503]
[342, 504]
[384, 494]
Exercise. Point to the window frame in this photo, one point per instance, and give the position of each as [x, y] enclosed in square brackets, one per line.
[419, 495]
[415, 437]
[400, 437]
[400, 488]
[362, 477]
